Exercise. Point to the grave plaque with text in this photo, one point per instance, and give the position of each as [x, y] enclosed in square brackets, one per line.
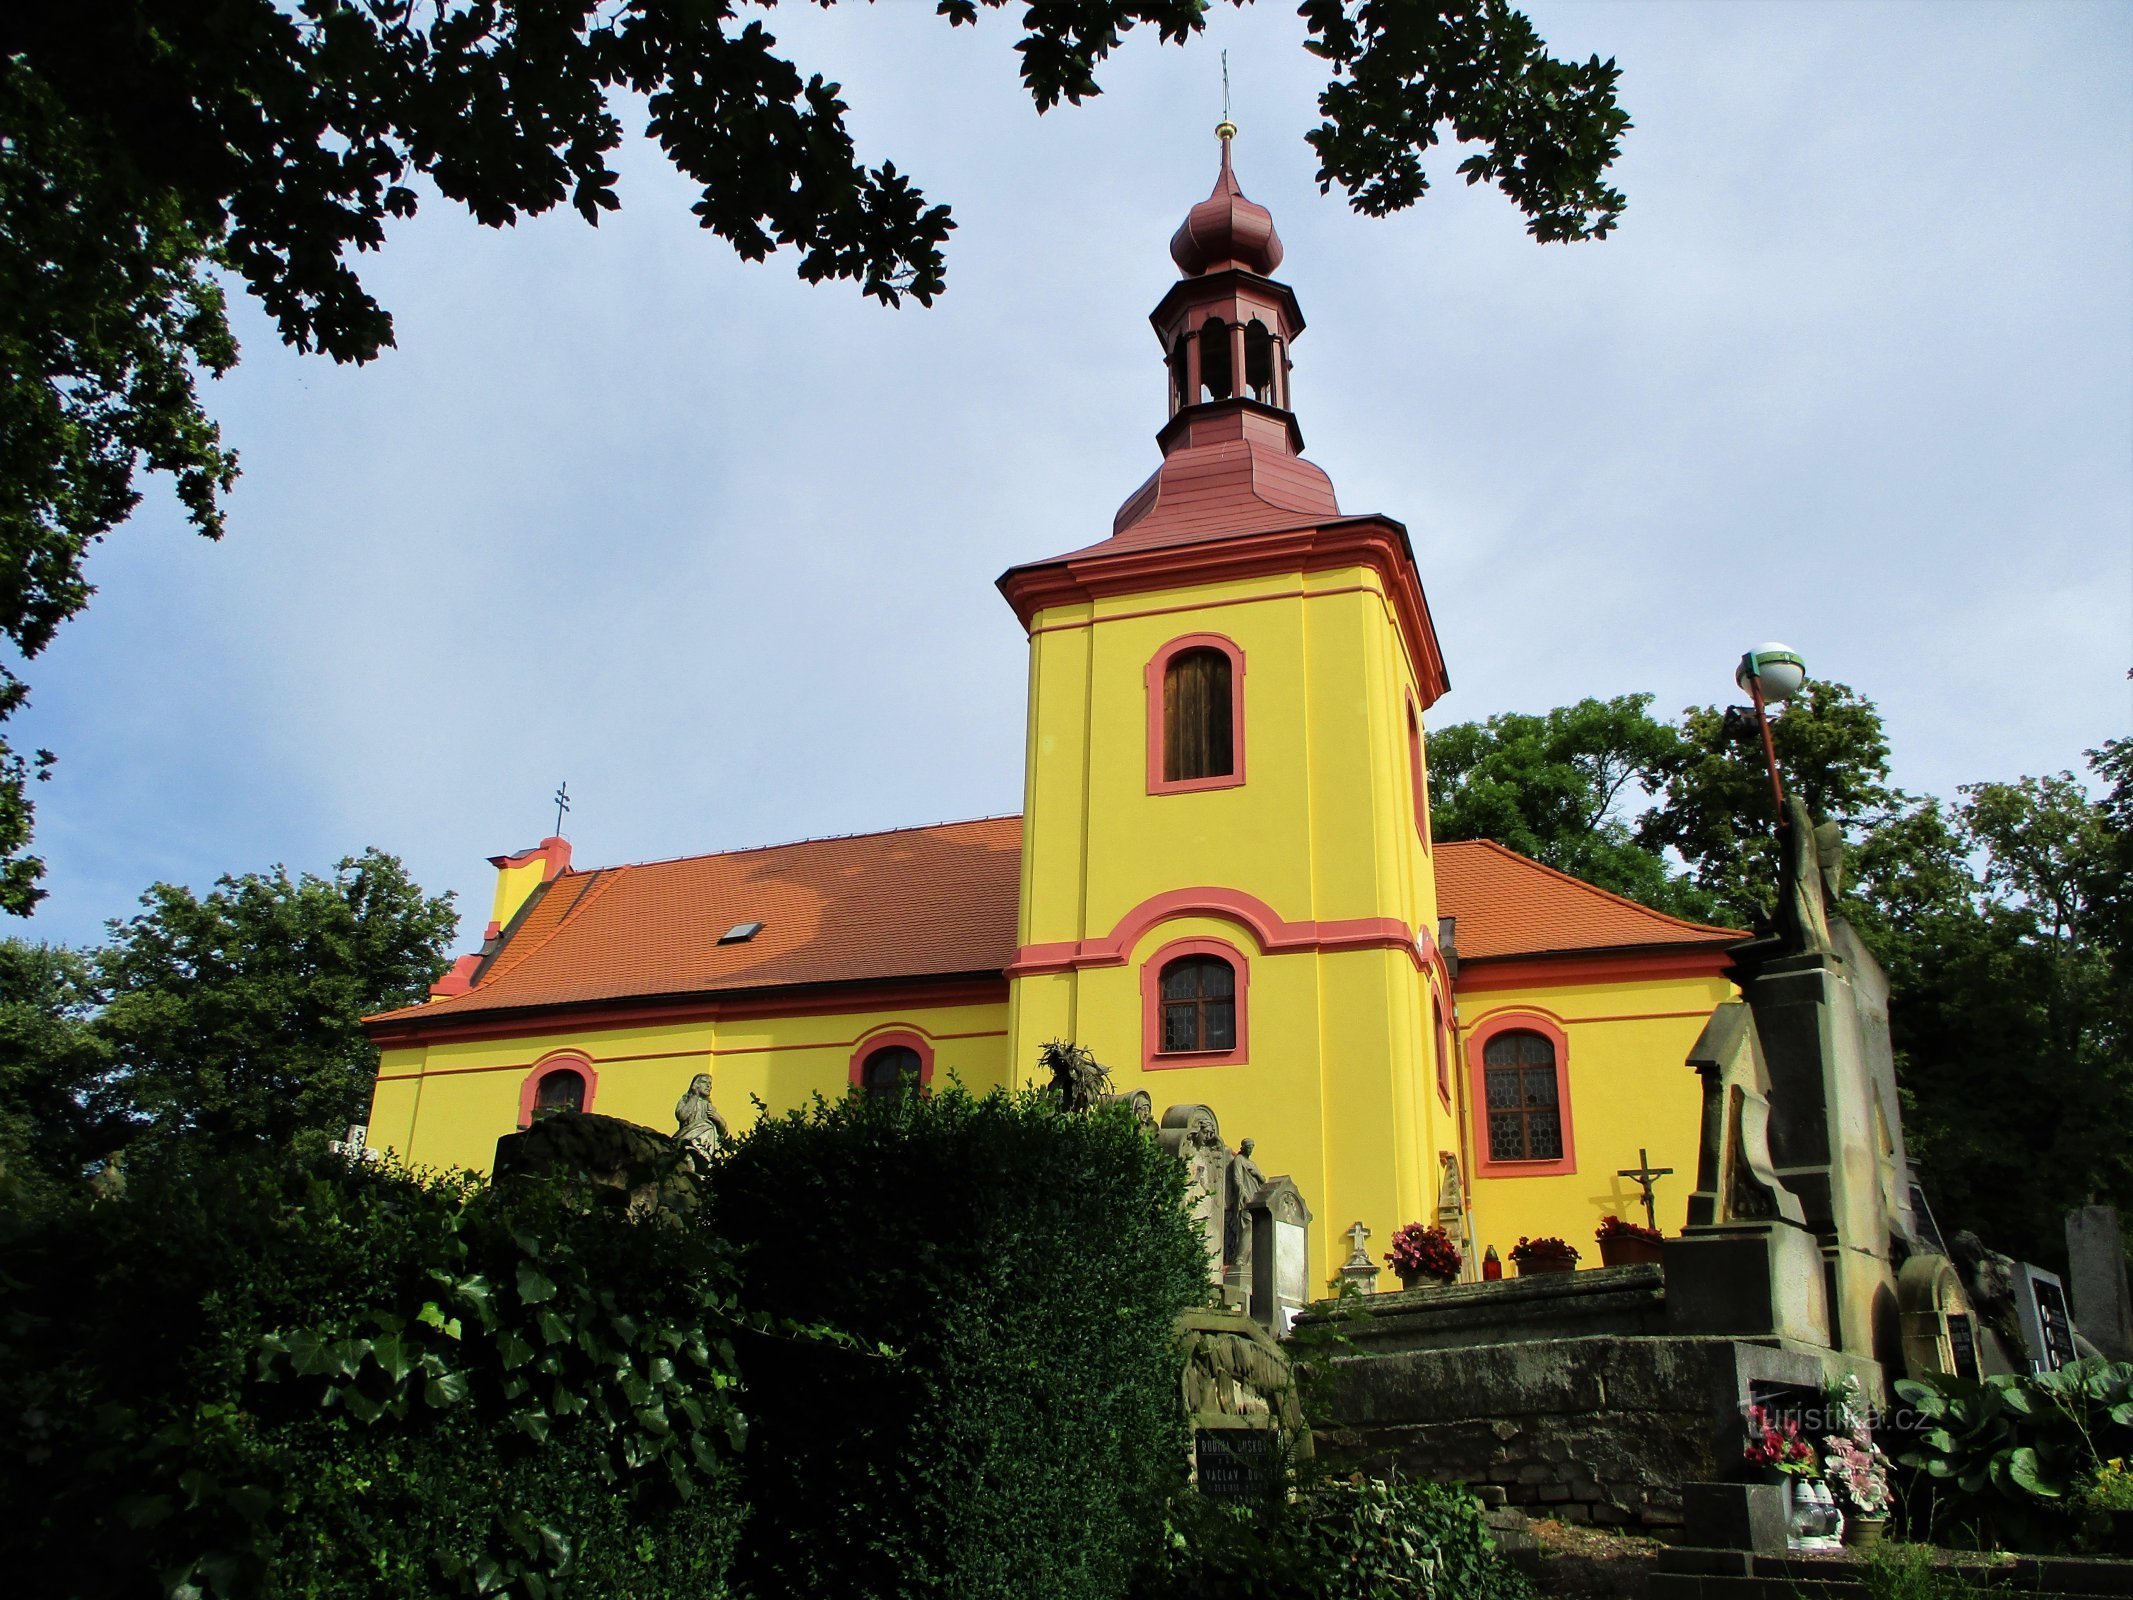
[1232, 1463]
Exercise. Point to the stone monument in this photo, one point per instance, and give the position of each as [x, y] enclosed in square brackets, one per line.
[698, 1128]
[1280, 1260]
[1803, 1201]
[1241, 1181]
[1192, 1134]
[2096, 1273]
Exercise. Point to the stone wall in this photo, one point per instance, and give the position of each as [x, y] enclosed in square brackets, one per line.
[1600, 1427]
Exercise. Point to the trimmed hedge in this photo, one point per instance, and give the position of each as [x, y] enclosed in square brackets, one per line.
[291, 1377]
[1008, 1422]
[1352, 1538]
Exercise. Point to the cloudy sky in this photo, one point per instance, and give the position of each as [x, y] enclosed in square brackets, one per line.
[718, 547]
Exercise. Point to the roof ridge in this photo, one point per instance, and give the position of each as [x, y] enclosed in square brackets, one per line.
[607, 876]
[818, 838]
[1609, 894]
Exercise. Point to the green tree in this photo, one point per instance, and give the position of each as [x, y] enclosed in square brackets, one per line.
[235, 1017]
[58, 1111]
[148, 145]
[1561, 788]
[1715, 811]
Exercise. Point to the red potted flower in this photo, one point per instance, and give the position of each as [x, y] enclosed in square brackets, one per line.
[1626, 1244]
[1423, 1256]
[1545, 1254]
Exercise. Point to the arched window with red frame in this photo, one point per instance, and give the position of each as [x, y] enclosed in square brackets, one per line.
[1196, 715]
[1520, 1095]
[564, 1082]
[891, 1062]
[1193, 997]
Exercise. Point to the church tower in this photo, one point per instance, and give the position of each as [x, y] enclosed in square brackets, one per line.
[1227, 889]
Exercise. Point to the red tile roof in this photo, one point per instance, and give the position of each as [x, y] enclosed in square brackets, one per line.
[922, 902]
[1510, 905]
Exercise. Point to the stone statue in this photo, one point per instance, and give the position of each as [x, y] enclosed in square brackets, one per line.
[699, 1129]
[1241, 1182]
[1813, 872]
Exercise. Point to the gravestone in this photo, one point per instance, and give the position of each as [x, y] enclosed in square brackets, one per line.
[2096, 1273]
[2047, 1325]
[1453, 1216]
[1358, 1274]
[1241, 1181]
[1281, 1254]
[1802, 1131]
[1240, 1402]
[1192, 1134]
[1939, 1334]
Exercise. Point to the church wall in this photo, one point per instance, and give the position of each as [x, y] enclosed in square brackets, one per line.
[446, 1105]
[1630, 1087]
[1320, 838]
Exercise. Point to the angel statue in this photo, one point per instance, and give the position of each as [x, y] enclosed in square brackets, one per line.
[699, 1130]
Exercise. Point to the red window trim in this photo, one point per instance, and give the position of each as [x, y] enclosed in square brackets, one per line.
[1440, 1039]
[1154, 1059]
[529, 1089]
[885, 1038]
[1478, 1098]
[1153, 679]
[1418, 786]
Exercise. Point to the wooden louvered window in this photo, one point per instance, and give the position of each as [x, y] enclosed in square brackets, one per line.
[896, 1069]
[1524, 1103]
[1199, 739]
[1199, 1005]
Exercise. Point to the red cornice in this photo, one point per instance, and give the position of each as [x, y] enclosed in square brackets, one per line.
[811, 1000]
[1120, 568]
[1563, 968]
[1274, 934]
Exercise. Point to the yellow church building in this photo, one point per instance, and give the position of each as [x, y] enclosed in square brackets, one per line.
[1223, 881]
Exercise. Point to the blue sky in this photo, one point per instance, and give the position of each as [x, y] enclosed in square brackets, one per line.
[718, 547]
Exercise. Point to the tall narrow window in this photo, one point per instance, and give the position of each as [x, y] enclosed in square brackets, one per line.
[896, 1069]
[1441, 1041]
[1259, 362]
[1199, 1005]
[1525, 1112]
[1215, 374]
[1417, 779]
[1180, 396]
[560, 1090]
[1198, 739]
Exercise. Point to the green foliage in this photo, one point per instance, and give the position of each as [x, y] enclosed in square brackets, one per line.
[1007, 1420]
[2003, 920]
[1715, 810]
[236, 1016]
[1559, 788]
[269, 1377]
[2006, 1451]
[145, 145]
[1894, 1571]
[57, 1113]
[1353, 1538]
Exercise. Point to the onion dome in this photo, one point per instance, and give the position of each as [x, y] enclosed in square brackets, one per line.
[1226, 230]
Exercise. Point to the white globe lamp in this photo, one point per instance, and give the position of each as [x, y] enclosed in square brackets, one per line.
[1774, 671]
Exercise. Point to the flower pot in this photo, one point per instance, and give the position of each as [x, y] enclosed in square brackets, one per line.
[1863, 1533]
[1627, 1250]
[1421, 1280]
[1533, 1266]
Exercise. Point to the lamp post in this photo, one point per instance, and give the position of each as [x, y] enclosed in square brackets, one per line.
[1771, 672]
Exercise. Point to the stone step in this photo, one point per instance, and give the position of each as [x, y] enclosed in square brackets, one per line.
[1689, 1573]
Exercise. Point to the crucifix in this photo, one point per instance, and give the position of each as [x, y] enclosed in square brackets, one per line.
[1356, 1253]
[1644, 1172]
[562, 804]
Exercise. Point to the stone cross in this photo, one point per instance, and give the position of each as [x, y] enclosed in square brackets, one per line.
[1357, 1255]
[1644, 1172]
